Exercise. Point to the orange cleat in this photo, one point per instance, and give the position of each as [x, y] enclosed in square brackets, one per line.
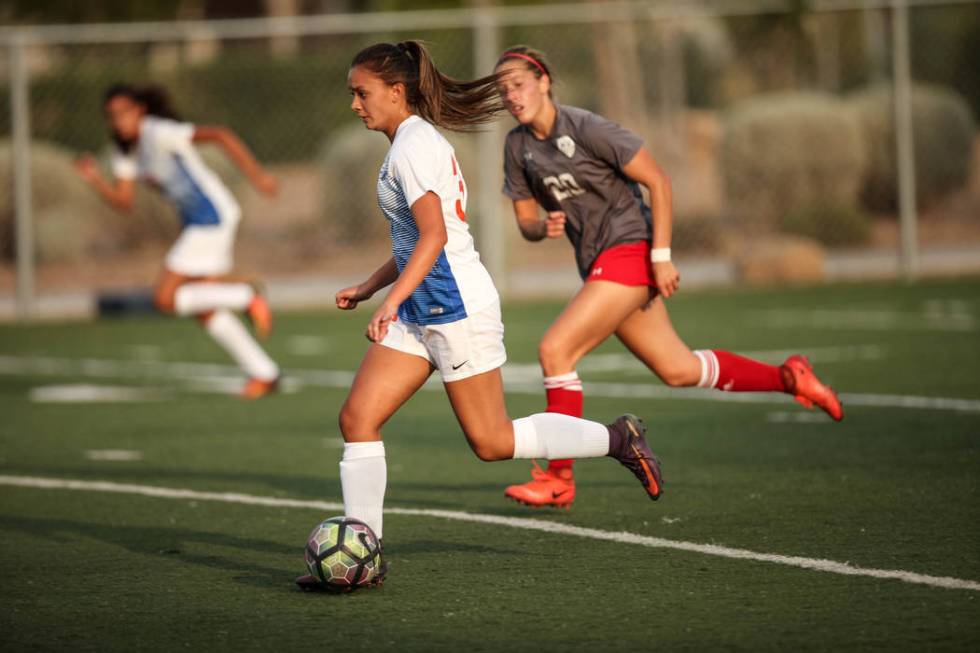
[260, 314]
[804, 385]
[258, 388]
[547, 488]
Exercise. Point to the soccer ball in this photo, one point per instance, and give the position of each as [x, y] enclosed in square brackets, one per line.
[343, 554]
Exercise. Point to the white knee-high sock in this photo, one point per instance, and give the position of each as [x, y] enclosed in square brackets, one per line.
[553, 435]
[229, 332]
[198, 297]
[363, 477]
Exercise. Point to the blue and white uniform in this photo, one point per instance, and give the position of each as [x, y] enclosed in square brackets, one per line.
[452, 319]
[165, 157]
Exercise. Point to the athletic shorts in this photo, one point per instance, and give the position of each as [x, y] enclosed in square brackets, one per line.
[628, 264]
[204, 250]
[459, 349]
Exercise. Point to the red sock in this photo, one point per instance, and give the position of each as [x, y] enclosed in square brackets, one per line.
[564, 393]
[733, 373]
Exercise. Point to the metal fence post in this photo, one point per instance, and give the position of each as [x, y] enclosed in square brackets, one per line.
[904, 144]
[493, 247]
[21, 170]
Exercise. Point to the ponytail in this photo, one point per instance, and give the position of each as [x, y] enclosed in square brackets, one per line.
[439, 99]
[158, 103]
[154, 98]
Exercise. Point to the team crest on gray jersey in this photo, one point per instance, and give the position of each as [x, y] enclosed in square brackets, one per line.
[566, 145]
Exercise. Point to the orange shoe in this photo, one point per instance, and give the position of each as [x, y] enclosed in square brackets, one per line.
[260, 314]
[803, 384]
[258, 388]
[547, 488]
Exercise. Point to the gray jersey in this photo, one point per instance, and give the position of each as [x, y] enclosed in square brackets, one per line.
[578, 169]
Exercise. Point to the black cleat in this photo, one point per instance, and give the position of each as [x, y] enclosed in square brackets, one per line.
[379, 580]
[635, 454]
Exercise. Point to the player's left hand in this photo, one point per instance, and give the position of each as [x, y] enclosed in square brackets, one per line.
[266, 184]
[554, 226]
[667, 277]
[378, 326]
[87, 167]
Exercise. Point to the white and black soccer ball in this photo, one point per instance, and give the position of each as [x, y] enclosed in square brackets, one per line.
[344, 554]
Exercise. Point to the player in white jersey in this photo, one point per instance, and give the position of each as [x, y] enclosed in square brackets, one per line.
[153, 146]
[442, 312]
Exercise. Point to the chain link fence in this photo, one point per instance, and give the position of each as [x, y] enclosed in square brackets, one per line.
[775, 120]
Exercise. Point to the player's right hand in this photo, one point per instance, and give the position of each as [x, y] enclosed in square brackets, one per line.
[555, 224]
[267, 184]
[377, 328]
[348, 298]
[87, 167]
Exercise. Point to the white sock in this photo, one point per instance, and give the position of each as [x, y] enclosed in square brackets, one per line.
[229, 332]
[363, 477]
[568, 381]
[194, 298]
[709, 368]
[553, 435]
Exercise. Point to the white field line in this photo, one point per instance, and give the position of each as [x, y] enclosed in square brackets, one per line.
[210, 376]
[114, 455]
[936, 317]
[86, 393]
[815, 564]
[798, 417]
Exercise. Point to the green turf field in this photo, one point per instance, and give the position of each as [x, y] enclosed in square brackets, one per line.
[892, 487]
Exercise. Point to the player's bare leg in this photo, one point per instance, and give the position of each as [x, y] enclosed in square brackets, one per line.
[590, 317]
[385, 380]
[479, 406]
[223, 326]
[166, 289]
[650, 336]
[478, 402]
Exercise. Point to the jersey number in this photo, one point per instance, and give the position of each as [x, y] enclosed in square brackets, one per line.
[563, 186]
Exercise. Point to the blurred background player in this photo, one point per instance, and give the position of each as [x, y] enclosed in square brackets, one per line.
[153, 145]
[585, 171]
[442, 312]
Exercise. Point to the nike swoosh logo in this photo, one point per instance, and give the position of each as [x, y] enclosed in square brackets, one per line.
[555, 495]
[456, 367]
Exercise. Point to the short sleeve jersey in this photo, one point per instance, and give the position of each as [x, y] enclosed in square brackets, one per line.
[165, 156]
[420, 161]
[578, 169]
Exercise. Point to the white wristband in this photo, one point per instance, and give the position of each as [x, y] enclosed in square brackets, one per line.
[660, 254]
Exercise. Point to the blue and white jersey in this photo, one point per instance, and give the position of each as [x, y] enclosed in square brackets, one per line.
[421, 160]
[165, 157]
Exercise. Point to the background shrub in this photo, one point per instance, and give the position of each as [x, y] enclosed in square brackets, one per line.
[943, 131]
[72, 223]
[831, 224]
[786, 151]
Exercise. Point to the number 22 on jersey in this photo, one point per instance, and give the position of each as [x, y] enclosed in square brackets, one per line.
[563, 186]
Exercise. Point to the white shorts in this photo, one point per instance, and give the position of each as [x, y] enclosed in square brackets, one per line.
[204, 250]
[459, 349]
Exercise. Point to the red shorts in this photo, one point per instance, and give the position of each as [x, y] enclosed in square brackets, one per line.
[627, 264]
